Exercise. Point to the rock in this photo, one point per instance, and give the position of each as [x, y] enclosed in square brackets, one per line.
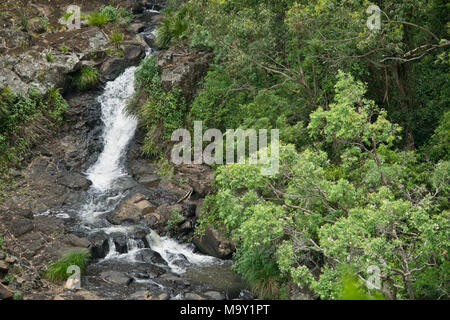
[21, 226]
[214, 243]
[11, 259]
[5, 293]
[4, 267]
[100, 249]
[132, 210]
[214, 295]
[150, 256]
[163, 296]
[193, 296]
[114, 66]
[136, 27]
[15, 38]
[158, 218]
[174, 281]
[183, 68]
[149, 180]
[141, 295]
[75, 181]
[58, 298]
[2, 255]
[115, 277]
[77, 242]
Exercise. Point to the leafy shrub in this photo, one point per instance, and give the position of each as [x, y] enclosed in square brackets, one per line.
[57, 270]
[174, 220]
[172, 27]
[87, 77]
[110, 14]
[159, 112]
[97, 19]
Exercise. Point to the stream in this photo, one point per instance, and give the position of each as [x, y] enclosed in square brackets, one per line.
[130, 260]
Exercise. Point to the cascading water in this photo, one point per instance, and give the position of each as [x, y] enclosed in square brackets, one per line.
[103, 197]
[118, 132]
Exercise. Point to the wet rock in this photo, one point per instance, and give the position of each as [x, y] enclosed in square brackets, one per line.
[75, 181]
[100, 249]
[5, 293]
[149, 180]
[124, 183]
[132, 210]
[163, 296]
[114, 66]
[158, 219]
[150, 256]
[214, 243]
[174, 281]
[141, 295]
[193, 296]
[136, 27]
[115, 277]
[214, 295]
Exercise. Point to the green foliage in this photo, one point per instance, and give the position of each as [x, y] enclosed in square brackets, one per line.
[110, 14]
[174, 220]
[318, 214]
[57, 270]
[18, 296]
[352, 190]
[1, 240]
[24, 118]
[49, 57]
[63, 48]
[86, 78]
[160, 112]
[116, 38]
[98, 19]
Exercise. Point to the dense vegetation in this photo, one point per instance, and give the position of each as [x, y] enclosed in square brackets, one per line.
[364, 124]
[25, 118]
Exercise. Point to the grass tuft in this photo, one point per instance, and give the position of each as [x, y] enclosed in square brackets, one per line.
[57, 270]
[87, 77]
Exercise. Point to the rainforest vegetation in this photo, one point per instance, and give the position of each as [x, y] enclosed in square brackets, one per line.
[363, 113]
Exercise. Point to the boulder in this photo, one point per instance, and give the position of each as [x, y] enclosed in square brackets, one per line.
[214, 295]
[115, 277]
[132, 210]
[183, 68]
[114, 66]
[14, 38]
[193, 296]
[5, 293]
[75, 181]
[158, 218]
[214, 243]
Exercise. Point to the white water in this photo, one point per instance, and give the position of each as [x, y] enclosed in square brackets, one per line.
[118, 132]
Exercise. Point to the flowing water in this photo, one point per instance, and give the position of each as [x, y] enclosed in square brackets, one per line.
[107, 175]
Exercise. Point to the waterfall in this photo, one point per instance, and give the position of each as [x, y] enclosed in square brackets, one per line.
[118, 132]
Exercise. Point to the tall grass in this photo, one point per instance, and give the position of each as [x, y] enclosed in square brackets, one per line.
[57, 270]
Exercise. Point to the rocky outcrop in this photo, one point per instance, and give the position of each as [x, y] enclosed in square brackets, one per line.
[214, 243]
[183, 68]
[132, 210]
